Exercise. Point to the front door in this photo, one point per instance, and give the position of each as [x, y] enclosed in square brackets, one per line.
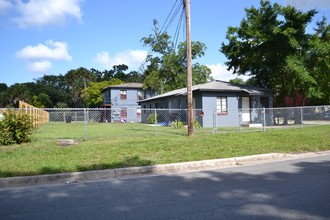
[245, 109]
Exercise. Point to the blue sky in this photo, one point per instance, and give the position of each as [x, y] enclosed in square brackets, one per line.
[39, 37]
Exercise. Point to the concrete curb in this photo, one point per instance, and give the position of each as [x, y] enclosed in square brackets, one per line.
[153, 169]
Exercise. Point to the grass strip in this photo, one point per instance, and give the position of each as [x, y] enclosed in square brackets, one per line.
[135, 145]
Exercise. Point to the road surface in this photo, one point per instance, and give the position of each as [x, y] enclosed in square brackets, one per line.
[292, 189]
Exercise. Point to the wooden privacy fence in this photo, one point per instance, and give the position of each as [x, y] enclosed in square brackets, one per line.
[38, 115]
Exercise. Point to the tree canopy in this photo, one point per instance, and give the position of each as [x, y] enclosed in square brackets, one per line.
[167, 66]
[77, 88]
[272, 46]
[92, 94]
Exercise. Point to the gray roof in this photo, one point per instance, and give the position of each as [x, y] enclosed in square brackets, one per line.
[215, 86]
[126, 86]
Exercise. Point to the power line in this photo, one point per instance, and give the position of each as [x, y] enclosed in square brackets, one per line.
[168, 16]
[176, 12]
[177, 31]
[173, 14]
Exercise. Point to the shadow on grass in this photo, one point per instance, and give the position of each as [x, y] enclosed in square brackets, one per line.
[281, 190]
[162, 130]
[127, 162]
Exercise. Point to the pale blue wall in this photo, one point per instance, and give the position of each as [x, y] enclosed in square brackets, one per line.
[131, 98]
[210, 105]
[207, 102]
[130, 103]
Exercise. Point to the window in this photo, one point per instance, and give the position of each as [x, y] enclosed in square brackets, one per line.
[140, 95]
[123, 94]
[222, 105]
[123, 114]
[138, 114]
[264, 102]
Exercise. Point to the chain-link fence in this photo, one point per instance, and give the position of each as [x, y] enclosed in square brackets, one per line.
[123, 123]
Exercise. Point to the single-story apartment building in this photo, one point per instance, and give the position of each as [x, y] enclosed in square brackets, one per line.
[220, 102]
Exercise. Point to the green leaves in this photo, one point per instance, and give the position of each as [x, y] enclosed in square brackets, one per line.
[15, 128]
[92, 94]
[272, 46]
[167, 68]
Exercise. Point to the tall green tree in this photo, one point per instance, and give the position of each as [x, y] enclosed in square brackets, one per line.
[271, 45]
[92, 94]
[238, 80]
[135, 76]
[117, 71]
[77, 80]
[3, 89]
[56, 88]
[42, 100]
[18, 91]
[318, 61]
[166, 69]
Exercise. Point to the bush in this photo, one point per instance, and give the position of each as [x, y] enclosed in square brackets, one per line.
[15, 128]
[197, 124]
[152, 119]
[178, 124]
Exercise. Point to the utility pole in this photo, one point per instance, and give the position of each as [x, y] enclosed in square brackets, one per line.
[189, 71]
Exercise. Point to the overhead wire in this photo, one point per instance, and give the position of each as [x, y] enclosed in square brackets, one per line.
[168, 16]
[177, 7]
[178, 28]
[175, 14]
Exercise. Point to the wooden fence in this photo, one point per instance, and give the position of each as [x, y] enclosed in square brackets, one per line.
[38, 115]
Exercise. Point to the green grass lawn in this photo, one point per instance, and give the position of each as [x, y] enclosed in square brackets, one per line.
[123, 145]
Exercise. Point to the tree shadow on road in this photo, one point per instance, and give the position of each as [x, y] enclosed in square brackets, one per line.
[247, 192]
[131, 161]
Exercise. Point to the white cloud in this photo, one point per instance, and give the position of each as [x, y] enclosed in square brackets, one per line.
[39, 13]
[308, 4]
[49, 50]
[42, 66]
[131, 58]
[103, 59]
[5, 6]
[220, 72]
[39, 57]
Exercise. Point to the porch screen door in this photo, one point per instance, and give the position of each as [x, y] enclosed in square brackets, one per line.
[245, 109]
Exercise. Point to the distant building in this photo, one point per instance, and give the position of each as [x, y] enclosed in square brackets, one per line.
[123, 101]
[229, 100]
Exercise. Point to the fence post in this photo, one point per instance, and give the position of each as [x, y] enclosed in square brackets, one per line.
[239, 119]
[302, 117]
[214, 130]
[85, 125]
[156, 122]
[264, 119]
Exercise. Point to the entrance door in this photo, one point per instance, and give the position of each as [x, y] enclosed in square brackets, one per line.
[245, 109]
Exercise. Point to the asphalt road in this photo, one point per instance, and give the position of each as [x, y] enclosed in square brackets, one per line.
[292, 189]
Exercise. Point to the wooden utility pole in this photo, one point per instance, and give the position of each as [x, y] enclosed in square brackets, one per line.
[189, 71]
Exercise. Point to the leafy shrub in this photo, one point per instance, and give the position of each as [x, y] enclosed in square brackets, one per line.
[15, 128]
[178, 124]
[197, 124]
[152, 119]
